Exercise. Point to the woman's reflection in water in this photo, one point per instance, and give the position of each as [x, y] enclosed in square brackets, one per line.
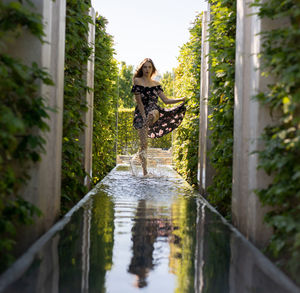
[144, 233]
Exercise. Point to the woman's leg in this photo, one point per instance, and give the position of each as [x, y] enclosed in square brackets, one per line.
[143, 148]
[152, 117]
[143, 134]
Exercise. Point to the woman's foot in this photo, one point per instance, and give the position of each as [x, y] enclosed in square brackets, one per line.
[148, 175]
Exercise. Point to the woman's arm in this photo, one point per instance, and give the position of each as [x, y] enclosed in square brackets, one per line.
[140, 105]
[169, 101]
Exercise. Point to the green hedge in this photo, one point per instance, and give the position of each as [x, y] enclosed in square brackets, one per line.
[164, 142]
[23, 119]
[221, 101]
[187, 84]
[105, 102]
[280, 157]
[77, 53]
[128, 139]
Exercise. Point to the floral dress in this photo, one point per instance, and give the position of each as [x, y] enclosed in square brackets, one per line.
[169, 119]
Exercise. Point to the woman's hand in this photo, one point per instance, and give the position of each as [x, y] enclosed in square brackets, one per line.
[170, 101]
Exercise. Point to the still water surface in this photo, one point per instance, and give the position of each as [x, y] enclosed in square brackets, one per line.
[147, 235]
[147, 228]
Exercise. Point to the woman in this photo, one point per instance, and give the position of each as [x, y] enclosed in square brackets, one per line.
[150, 119]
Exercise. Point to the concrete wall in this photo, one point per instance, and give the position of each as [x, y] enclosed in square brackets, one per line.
[86, 138]
[250, 271]
[42, 271]
[205, 170]
[44, 187]
[250, 118]
[43, 190]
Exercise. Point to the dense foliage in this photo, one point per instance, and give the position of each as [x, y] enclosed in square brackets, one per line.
[22, 121]
[280, 156]
[221, 100]
[105, 102]
[187, 84]
[164, 142]
[77, 53]
[126, 99]
[167, 83]
[128, 139]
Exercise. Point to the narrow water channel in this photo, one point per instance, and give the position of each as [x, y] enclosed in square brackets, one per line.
[146, 235]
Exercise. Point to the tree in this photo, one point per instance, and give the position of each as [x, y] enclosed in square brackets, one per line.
[125, 83]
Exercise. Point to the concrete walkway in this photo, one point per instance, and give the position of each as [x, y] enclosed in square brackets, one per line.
[156, 156]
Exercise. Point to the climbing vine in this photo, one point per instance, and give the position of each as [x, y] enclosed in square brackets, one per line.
[221, 100]
[105, 102]
[187, 84]
[280, 156]
[77, 53]
[23, 111]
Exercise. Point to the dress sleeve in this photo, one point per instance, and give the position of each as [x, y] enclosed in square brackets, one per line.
[136, 89]
[159, 89]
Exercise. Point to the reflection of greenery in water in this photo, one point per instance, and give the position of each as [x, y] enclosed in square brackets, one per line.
[69, 251]
[183, 244]
[216, 255]
[100, 252]
[102, 241]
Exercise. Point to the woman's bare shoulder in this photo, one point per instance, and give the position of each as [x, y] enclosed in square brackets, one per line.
[137, 81]
[156, 83]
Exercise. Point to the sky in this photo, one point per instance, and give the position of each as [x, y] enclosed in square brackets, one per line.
[149, 29]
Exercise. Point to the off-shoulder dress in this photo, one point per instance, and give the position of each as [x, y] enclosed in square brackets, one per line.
[169, 119]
